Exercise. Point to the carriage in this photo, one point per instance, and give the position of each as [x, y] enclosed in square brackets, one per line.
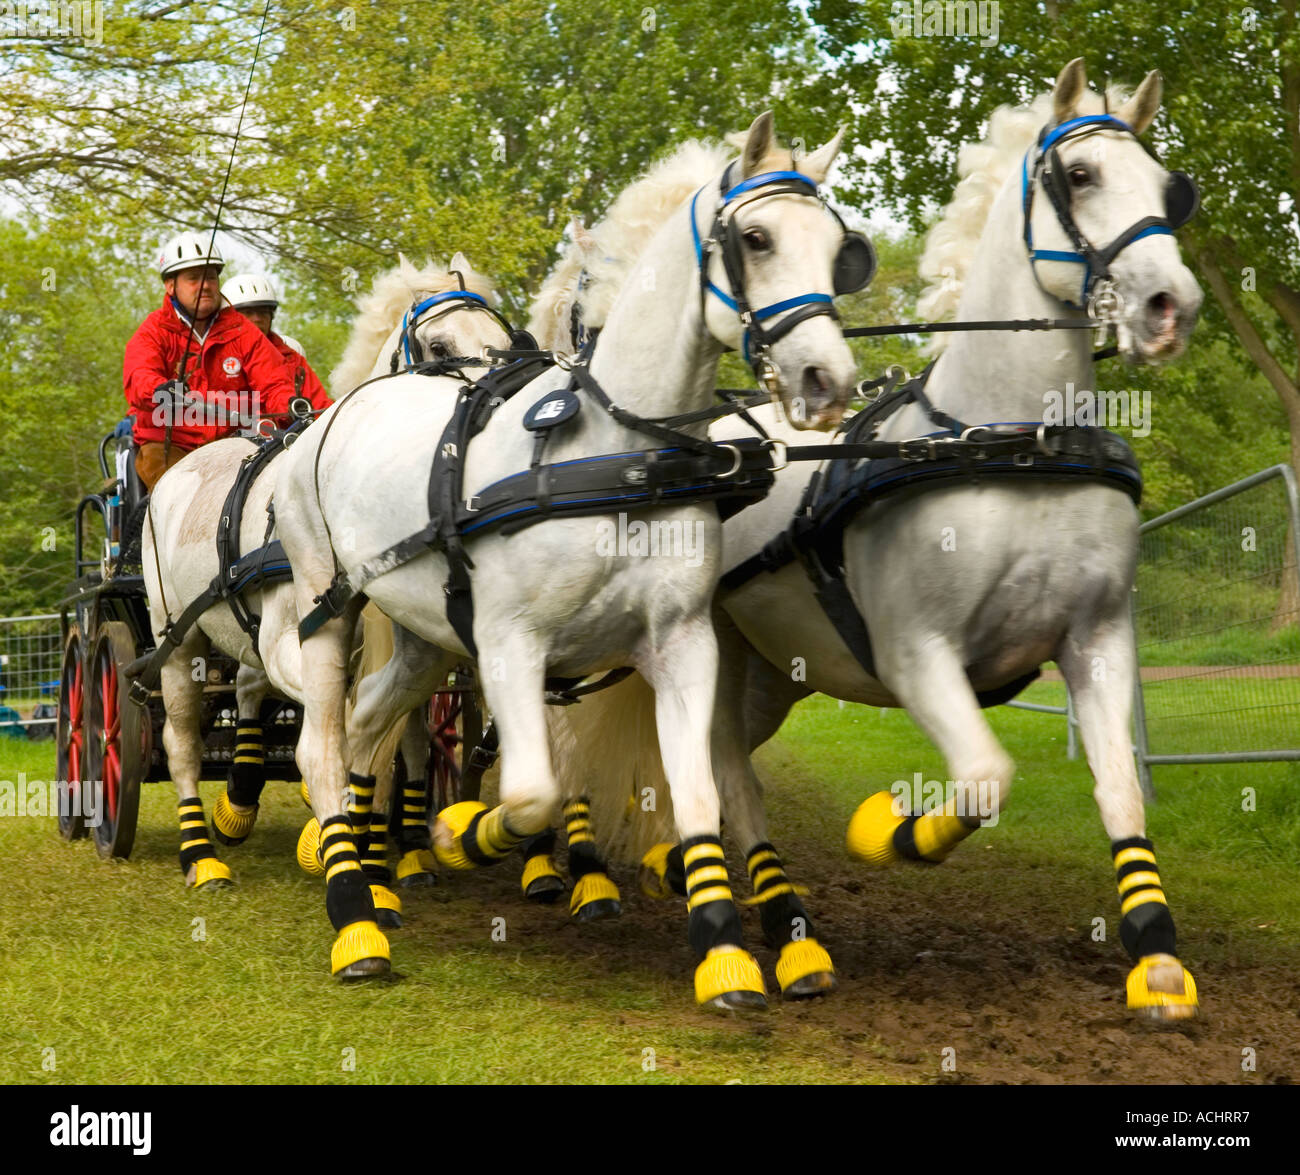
[108, 746]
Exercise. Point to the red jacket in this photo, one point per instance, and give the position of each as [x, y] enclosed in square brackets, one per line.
[236, 371]
[312, 388]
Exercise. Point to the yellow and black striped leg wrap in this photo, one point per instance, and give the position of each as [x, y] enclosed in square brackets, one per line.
[595, 896]
[1146, 927]
[541, 881]
[713, 920]
[728, 976]
[782, 912]
[804, 968]
[374, 864]
[360, 799]
[360, 950]
[1159, 986]
[247, 775]
[413, 831]
[931, 837]
[197, 852]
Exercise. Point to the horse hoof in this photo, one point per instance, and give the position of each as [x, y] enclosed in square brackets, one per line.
[1160, 988]
[360, 952]
[388, 907]
[309, 849]
[415, 869]
[594, 898]
[447, 832]
[228, 826]
[364, 969]
[870, 836]
[738, 1001]
[541, 881]
[804, 970]
[208, 874]
[730, 978]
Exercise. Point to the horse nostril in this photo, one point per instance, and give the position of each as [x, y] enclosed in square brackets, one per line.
[1161, 305]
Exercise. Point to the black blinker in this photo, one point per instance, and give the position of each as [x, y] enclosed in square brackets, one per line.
[855, 264]
[1182, 198]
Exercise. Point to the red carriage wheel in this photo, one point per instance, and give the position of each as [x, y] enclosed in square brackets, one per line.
[71, 737]
[445, 748]
[117, 741]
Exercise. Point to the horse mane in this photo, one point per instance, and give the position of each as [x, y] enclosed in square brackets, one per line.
[608, 252]
[983, 168]
[380, 312]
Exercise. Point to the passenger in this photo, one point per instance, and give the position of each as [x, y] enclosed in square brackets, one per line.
[253, 295]
[233, 374]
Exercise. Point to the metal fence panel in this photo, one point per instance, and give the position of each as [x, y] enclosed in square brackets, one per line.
[31, 651]
[1217, 627]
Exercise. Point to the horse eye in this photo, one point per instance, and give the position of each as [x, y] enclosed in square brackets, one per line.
[440, 351]
[757, 240]
[1079, 177]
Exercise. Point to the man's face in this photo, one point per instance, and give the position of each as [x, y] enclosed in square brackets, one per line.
[197, 290]
[260, 316]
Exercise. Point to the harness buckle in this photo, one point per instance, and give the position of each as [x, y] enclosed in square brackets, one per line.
[469, 504]
[563, 361]
[1040, 439]
[779, 451]
[265, 427]
[735, 459]
[768, 375]
[449, 451]
[137, 692]
[918, 449]
[1024, 460]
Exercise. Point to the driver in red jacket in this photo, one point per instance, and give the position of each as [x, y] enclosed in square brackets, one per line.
[233, 375]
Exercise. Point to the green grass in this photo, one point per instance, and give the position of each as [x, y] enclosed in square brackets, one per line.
[104, 963]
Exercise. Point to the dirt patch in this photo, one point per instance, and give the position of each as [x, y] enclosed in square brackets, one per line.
[937, 962]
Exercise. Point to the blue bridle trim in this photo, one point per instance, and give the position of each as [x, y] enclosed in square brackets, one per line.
[769, 177]
[410, 318]
[740, 189]
[1039, 150]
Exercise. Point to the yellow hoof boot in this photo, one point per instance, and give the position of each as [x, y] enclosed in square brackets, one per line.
[209, 873]
[1161, 988]
[447, 832]
[359, 952]
[306, 795]
[309, 849]
[804, 970]
[231, 827]
[652, 876]
[541, 881]
[594, 897]
[730, 979]
[388, 907]
[871, 831]
[416, 868]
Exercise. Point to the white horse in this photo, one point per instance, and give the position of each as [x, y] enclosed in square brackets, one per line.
[963, 588]
[179, 557]
[554, 598]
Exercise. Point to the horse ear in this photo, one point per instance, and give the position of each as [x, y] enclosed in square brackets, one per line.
[816, 165]
[1140, 109]
[758, 142]
[582, 237]
[1071, 83]
[460, 262]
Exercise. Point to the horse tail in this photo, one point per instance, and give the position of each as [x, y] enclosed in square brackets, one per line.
[607, 748]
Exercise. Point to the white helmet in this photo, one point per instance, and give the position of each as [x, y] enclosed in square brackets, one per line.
[189, 251]
[247, 290]
[297, 346]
